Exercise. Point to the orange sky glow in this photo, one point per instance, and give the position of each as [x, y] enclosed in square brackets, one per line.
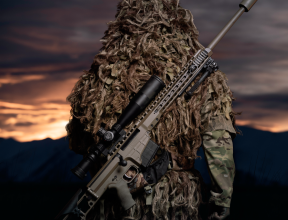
[43, 118]
[272, 127]
[48, 120]
[45, 121]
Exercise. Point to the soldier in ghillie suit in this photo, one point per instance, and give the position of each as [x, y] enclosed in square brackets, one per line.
[158, 37]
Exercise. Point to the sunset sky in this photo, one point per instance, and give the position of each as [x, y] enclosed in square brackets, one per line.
[45, 45]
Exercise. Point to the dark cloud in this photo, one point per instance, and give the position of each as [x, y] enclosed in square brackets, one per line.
[51, 120]
[26, 124]
[45, 45]
[42, 91]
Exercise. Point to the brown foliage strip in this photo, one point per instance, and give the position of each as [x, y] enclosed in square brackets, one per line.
[176, 193]
[147, 37]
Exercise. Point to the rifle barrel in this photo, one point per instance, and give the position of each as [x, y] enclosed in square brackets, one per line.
[226, 29]
[245, 5]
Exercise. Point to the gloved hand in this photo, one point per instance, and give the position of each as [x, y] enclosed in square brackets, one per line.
[218, 212]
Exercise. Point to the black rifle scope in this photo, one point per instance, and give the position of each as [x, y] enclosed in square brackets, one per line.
[137, 104]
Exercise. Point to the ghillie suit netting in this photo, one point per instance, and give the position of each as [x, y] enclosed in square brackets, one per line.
[147, 37]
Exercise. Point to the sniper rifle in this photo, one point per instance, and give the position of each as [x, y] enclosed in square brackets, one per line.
[135, 150]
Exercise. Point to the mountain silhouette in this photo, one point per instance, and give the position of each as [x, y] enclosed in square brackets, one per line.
[45, 161]
[257, 154]
[36, 179]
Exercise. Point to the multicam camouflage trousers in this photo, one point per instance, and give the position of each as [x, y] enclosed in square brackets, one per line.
[218, 149]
